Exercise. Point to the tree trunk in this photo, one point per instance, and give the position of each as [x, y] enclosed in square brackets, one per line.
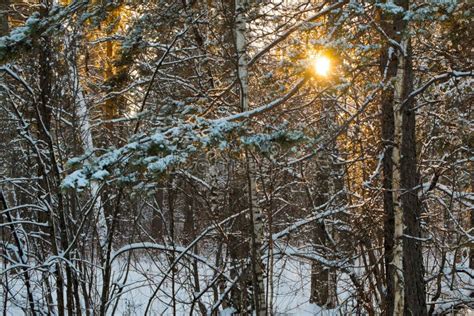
[4, 8]
[388, 69]
[403, 256]
[415, 295]
[89, 149]
[323, 285]
[320, 274]
[397, 260]
[471, 248]
[256, 212]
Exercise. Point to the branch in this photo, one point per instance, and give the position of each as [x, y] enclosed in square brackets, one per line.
[314, 17]
[20, 254]
[266, 107]
[35, 27]
[440, 78]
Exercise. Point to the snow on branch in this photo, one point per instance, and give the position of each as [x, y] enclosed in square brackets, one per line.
[34, 27]
[298, 26]
[267, 107]
[439, 78]
[153, 155]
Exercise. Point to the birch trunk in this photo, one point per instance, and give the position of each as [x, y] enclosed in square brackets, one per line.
[397, 261]
[409, 286]
[256, 212]
[471, 247]
[88, 147]
[392, 68]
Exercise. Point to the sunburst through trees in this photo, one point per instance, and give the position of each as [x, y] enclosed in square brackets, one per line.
[236, 157]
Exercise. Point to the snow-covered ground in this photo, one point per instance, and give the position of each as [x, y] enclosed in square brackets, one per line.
[290, 295]
[291, 288]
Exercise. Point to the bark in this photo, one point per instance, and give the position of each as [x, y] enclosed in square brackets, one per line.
[89, 148]
[189, 231]
[471, 249]
[6, 130]
[171, 190]
[50, 174]
[256, 212]
[388, 68]
[320, 275]
[323, 287]
[4, 8]
[415, 295]
[387, 128]
[239, 247]
[397, 260]
[471, 228]
[329, 183]
[403, 255]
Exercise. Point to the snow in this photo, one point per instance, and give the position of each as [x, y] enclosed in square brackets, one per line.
[163, 149]
[228, 311]
[74, 161]
[164, 163]
[35, 24]
[390, 7]
[76, 179]
[99, 175]
[33, 19]
[166, 145]
[291, 290]
[157, 138]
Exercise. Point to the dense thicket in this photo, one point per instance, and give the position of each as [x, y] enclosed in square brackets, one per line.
[192, 157]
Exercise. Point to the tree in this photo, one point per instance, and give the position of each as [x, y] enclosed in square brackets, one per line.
[186, 157]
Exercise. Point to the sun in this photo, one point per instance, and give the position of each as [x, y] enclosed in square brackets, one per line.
[321, 65]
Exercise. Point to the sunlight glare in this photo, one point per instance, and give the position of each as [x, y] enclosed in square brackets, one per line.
[321, 65]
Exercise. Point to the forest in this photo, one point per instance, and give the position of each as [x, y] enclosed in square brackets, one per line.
[236, 157]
